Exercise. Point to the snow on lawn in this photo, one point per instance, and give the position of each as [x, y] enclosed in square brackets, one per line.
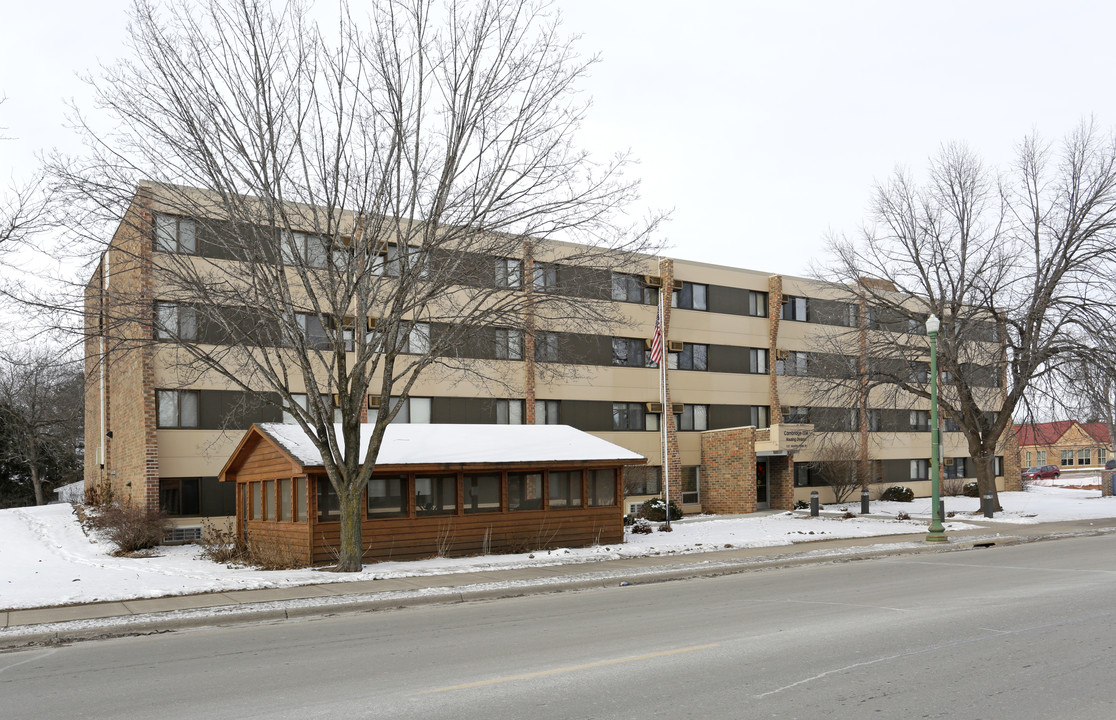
[46, 559]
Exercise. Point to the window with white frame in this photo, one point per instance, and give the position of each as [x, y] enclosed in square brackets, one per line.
[1102, 456]
[691, 485]
[794, 363]
[546, 412]
[794, 308]
[177, 408]
[692, 296]
[757, 303]
[757, 361]
[1040, 457]
[759, 416]
[509, 412]
[919, 421]
[546, 346]
[509, 344]
[693, 417]
[1067, 458]
[175, 322]
[413, 410]
[545, 277]
[509, 273]
[920, 469]
[627, 416]
[175, 234]
[1084, 457]
[1027, 462]
[693, 356]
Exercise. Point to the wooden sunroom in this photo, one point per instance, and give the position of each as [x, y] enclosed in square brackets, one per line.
[436, 489]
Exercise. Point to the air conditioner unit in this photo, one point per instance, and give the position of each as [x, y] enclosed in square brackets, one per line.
[677, 408]
[336, 400]
[345, 323]
[677, 284]
[373, 402]
[652, 281]
[370, 323]
[675, 346]
[654, 407]
[782, 354]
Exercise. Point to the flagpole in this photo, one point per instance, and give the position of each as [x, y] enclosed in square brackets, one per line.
[665, 451]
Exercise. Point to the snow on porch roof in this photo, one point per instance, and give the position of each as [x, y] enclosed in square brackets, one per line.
[420, 444]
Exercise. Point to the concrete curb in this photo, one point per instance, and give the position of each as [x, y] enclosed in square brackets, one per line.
[686, 567]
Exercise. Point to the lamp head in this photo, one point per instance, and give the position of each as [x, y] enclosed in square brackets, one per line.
[933, 324]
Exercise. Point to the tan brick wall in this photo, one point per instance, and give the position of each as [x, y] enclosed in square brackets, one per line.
[728, 470]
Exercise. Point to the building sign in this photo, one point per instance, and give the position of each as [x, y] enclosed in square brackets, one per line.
[791, 438]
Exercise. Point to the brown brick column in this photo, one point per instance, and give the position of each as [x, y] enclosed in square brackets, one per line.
[728, 479]
[774, 315]
[674, 457]
[528, 337]
[780, 482]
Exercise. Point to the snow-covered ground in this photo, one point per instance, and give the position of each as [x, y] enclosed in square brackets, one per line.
[46, 558]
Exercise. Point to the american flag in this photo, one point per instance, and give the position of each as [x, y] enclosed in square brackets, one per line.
[657, 341]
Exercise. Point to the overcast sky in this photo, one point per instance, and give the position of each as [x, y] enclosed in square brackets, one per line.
[762, 124]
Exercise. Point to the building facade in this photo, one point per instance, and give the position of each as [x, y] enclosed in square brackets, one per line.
[739, 346]
[1069, 444]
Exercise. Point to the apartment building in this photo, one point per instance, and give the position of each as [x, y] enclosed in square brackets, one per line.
[742, 432]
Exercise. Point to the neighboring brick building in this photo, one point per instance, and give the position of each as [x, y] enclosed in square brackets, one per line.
[736, 340]
[1068, 444]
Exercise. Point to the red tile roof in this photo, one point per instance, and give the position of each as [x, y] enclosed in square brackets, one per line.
[1049, 433]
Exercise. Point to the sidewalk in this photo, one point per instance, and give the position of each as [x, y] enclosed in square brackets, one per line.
[71, 622]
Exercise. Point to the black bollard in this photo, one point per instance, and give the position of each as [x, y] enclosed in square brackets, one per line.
[814, 503]
[941, 510]
[864, 510]
[986, 505]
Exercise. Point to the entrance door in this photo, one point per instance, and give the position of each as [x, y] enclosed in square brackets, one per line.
[761, 485]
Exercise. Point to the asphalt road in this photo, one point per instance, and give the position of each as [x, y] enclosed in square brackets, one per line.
[1016, 632]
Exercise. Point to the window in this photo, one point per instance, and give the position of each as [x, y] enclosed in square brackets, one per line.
[806, 476]
[630, 288]
[920, 421]
[642, 480]
[691, 484]
[524, 491]
[630, 352]
[411, 410]
[546, 412]
[692, 357]
[1027, 462]
[794, 415]
[310, 327]
[602, 488]
[175, 234]
[180, 496]
[300, 499]
[509, 412]
[1102, 456]
[387, 497]
[436, 495]
[565, 488]
[175, 322]
[794, 308]
[951, 425]
[1084, 457]
[757, 303]
[1040, 458]
[285, 500]
[509, 273]
[793, 363]
[954, 467]
[417, 341]
[269, 500]
[545, 277]
[546, 346]
[757, 361]
[998, 465]
[692, 296]
[693, 417]
[758, 415]
[627, 416]
[177, 408]
[329, 504]
[920, 469]
[257, 504]
[1067, 458]
[509, 344]
[309, 250]
[300, 400]
[482, 493]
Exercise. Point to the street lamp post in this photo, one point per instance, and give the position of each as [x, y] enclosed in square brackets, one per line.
[937, 532]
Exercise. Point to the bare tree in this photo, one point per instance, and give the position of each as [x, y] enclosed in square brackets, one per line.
[837, 461]
[40, 417]
[24, 209]
[380, 201]
[1009, 264]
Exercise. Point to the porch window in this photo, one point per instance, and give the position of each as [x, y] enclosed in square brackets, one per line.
[386, 497]
[524, 491]
[436, 495]
[285, 500]
[565, 488]
[602, 488]
[482, 493]
[329, 504]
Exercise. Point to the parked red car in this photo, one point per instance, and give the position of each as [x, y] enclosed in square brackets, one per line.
[1043, 472]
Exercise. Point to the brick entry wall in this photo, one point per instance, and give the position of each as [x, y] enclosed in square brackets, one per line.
[728, 472]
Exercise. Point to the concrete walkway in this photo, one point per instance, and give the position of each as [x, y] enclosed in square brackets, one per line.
[71, 622]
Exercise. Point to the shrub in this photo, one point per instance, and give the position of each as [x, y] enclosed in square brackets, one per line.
[229, 548]
[972, 489]
[130, 527]
[898, 493]
[98, 495]
[952, 487]
[642, 527]
[665, 528]
[655, 510]
[223, 546]
[801, 505]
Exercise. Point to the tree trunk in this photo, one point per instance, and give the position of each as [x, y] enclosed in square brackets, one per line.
[350, 557]
[37, 484]
[984, 461]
